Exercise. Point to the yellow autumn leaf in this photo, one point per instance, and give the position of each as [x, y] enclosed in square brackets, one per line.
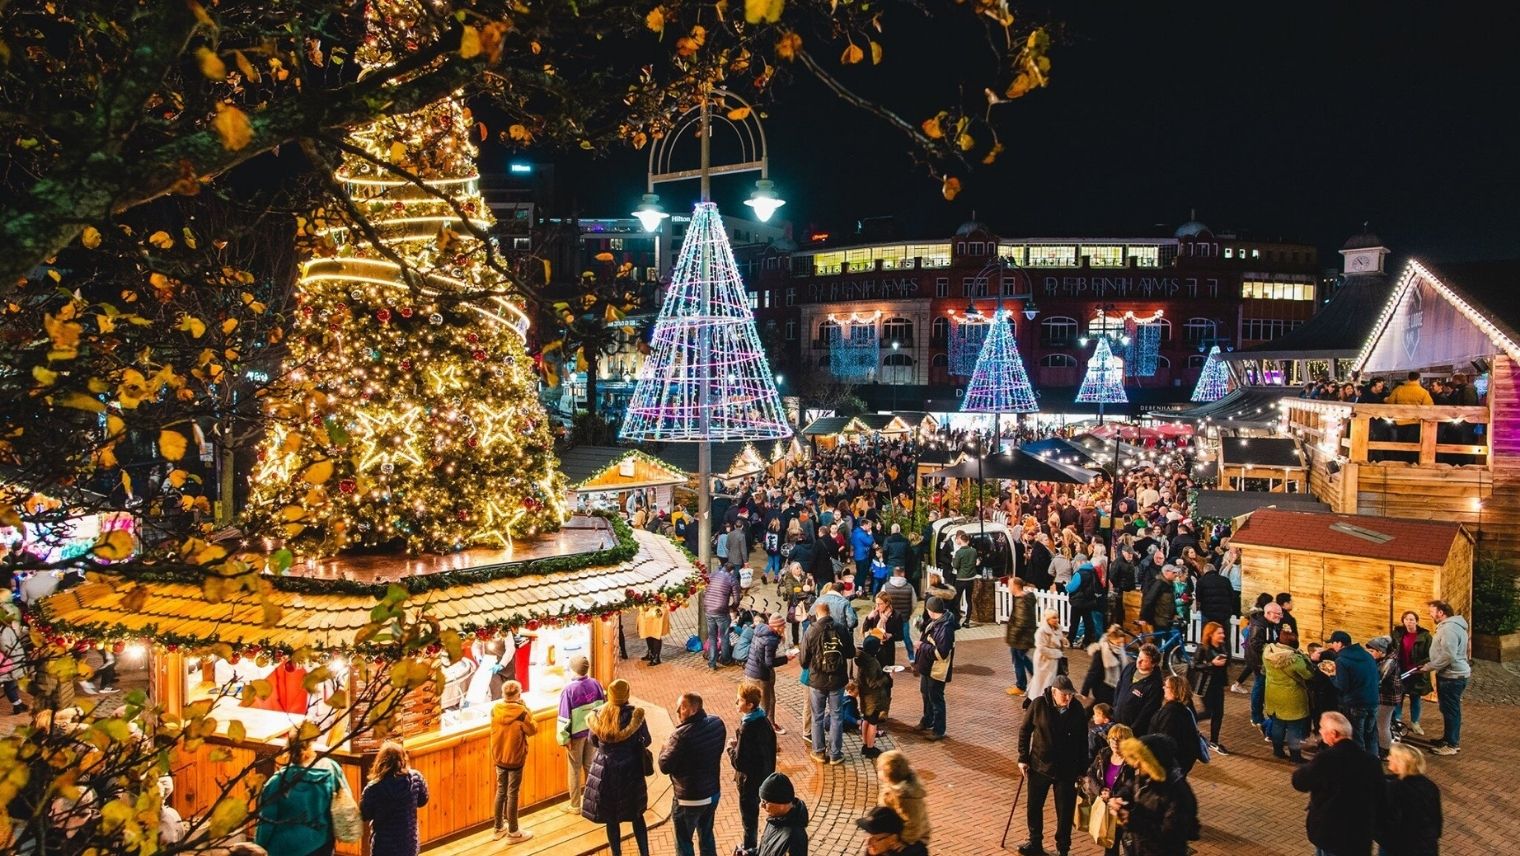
[126, 483]
[172, 444]
[105, 323]
[739, 114]
[852, 54]
[212, 67]
[232, 126]
[228, 815]
[788, 45]
[115, 426]
[469, 43]
[992, 154]
[763, 11]
[80, 401]
[228, 326]
[177, 478]
[44, 376]
[90, 237]
[199, 12]
[604, 257]
[161, 240]
[208, 554]
[876, 53]
[519, 133]
[318, 472]
[655, 20]
[105, 457]
[292, 513]
[193, 325]
[113, 546]
[934, 127]
[966, 142]
[951, 188]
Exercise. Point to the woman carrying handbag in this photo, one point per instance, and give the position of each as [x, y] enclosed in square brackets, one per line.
[306, 807]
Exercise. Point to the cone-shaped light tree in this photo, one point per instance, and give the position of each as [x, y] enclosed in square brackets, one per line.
[999, 383]
[1214, 382]
[1104, 381]
[407, 419]
[706, 377]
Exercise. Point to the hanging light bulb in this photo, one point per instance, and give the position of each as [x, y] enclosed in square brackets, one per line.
[764, 200]
[650, 213]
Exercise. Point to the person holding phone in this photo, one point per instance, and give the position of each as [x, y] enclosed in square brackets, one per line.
[1210, 674]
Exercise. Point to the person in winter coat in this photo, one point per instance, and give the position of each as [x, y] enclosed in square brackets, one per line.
[1448, 662]
[1175, 719]
[883, 828]
[1346, 791]
[1159, 812]
[1123, 575]
[1158, 609]
[873, 693]
[862, 546]
[839, 606]
[765, 656]
[897, 551]
[654, 626]
[1052, 756]
[1390, 690]
[786, 819]
[1216, 599]
[1286, 675]
[1262, 629]
[1211, 672]
[738, 544]
[1108, 658]
[1411, 820]
[1049, 652]
[903, 792]
[295, 806]
[390, 802]
[1084, 592]
[900, 594]
[934, 661]
[752, 753]
[718, 601]
[1356, 683]
[1019, 634]
[963, 563]
[772, 539]
[691, 758]
[12, 656]
[1411, 646]
[826, 653]
[1138, 694]
[511, 726]
[890, 624]
[1108, 774]
[616, 791]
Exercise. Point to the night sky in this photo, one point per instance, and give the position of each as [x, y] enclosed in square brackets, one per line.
[1296, 120]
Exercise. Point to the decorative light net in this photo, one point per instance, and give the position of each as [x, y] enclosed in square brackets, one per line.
[999, 383]
[1215, 380]
[1147, 350]
[705, 337]
[1104, 382]
[966, 338]
[854, 350]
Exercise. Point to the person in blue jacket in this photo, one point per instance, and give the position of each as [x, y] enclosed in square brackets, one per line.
[1356, 683]
[862, 544]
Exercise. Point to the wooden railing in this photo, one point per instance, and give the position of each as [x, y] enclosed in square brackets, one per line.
[1346, 431]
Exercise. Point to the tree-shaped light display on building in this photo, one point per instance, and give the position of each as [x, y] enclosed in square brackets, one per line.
[407, 418]
[706, 377]
[999, 383]
[1104, 381]
[1215, 380]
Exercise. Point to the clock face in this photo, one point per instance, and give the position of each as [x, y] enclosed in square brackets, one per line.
[1361, 262]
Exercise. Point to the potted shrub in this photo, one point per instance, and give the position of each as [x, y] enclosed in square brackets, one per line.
[1496, 611]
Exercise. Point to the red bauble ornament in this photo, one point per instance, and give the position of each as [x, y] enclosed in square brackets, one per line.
[307, 309]
[235, 658]
[406, 365]
[472, 442]
[290, 665]
[471, 338]
[341, 307]
[171, 648]
[480, 356]
[464, 515]
[382, 315]
[434, 648]
[583, 618]
[252, 650]
[461, 258]
[348, 485]
[406, 311]
[533, 624]
[118, 647]
[332, 328]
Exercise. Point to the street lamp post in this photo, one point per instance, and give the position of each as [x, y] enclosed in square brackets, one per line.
[753, 157]
[896, 373]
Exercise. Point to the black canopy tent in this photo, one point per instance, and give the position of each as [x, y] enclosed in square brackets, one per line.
[1062, 451]
[1016, 464]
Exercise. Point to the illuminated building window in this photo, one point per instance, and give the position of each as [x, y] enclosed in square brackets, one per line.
[1058, 361]
[1229, 252]
[1261, 290]
[1064, 256]
[898, 330]
[1104, 257]
[1146, 256]
[1012, 252]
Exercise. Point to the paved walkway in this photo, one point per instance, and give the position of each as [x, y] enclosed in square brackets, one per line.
[1246, 799]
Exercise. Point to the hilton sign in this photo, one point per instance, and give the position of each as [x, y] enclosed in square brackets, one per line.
[1130, 286]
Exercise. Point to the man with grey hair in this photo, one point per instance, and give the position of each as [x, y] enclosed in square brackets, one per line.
[1345, 788]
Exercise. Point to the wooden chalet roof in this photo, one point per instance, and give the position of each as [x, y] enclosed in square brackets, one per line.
[331, 620]
[1419, 542]
[826, 425]
[592, 468]
[879, 422]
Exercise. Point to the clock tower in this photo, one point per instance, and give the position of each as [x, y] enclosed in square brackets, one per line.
[1363, 254]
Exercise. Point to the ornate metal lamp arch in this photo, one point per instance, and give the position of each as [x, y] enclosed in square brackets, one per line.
[717, 104]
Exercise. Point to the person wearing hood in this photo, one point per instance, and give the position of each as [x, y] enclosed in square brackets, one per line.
[1448, 662]
[1356, 685]
[511, 726]
[1052, 756]
[900, 594]
[934, 662]
[1346, 791]
[752, 752]
[903, 792]
[765, 656]
[616, 790]
[1286, 698]
[786, 819]
[1159, 812]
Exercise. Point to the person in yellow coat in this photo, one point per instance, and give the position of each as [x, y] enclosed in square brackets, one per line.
[654, 624]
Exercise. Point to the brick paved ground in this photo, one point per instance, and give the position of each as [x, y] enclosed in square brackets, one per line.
[1245, 799]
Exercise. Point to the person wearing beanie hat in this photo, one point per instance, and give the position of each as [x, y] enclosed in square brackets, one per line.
[1390, 690]
[1052, 756]
[873, 691]
[616, 790]
[786, 818]
[578, 700]
[934, 662]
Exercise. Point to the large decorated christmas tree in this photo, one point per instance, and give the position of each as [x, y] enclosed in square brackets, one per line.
[1104, 381]
[1214, 382]
[999, 383]
[408, 419]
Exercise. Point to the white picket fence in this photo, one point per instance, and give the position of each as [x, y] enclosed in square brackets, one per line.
[1061, 603]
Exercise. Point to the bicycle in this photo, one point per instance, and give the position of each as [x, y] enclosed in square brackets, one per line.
[1176, 652]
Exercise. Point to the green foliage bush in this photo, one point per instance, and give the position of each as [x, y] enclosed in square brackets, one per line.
[1496, 600]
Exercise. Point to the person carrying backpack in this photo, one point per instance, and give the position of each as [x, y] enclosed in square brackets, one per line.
[826, 652]
[1083, 590]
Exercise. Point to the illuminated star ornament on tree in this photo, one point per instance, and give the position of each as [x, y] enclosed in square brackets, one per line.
[999, 383]
[741, 401]
[1104, 381]
[1215, 380]
[407, 419]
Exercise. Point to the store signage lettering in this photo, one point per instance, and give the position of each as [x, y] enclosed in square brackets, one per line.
[1130, 286]
[867, 289]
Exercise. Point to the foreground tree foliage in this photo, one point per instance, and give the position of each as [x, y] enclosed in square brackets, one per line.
[163, 163]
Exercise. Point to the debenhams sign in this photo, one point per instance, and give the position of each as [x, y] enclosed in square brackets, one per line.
[866, 289]
[1130, 286]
